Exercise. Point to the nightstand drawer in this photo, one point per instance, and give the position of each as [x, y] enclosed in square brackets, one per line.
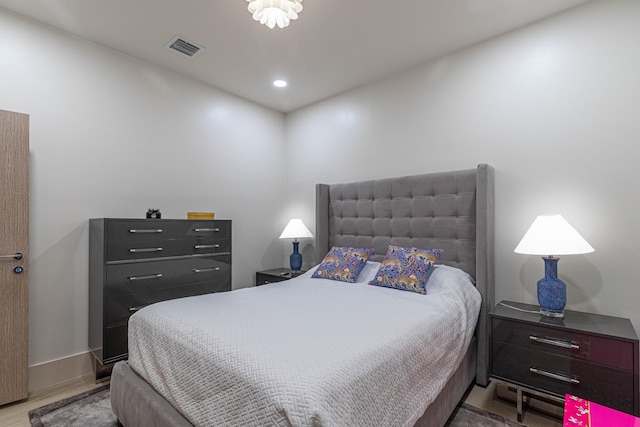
[602, 350]
[275, 275]
[264, 279]
[558, 375]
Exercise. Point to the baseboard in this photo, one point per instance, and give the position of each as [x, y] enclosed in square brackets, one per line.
[58, 373]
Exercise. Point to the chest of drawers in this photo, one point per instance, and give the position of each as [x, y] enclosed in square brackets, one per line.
[137, 262]
[587, 355]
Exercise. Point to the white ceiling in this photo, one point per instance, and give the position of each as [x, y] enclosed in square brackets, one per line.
[335, 45]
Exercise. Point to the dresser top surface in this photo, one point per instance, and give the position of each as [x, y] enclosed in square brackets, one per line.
[573, 320]
[158, 219]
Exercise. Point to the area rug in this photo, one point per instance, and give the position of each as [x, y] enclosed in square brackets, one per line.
[93, 408]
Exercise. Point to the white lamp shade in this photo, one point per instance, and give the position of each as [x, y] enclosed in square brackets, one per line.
[295, 229]
[552, 235]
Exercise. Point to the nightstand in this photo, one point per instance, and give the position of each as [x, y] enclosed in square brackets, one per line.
[275, 275]
[588, 355]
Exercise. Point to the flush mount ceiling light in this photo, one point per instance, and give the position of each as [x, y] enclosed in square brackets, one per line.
[275, 12]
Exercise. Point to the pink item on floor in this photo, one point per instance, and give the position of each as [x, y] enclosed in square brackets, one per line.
[583, 413]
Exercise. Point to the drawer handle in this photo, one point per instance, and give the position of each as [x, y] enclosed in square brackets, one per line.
[554, 375]
[555, 342]
[204, 230]
[134, 309]
[216, 246]
[149, 276]
[133, 231]
[135, 251]
[204, 270]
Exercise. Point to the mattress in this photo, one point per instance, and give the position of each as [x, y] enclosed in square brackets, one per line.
[307, 352]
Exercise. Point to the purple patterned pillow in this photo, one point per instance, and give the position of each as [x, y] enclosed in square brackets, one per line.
[343, 264]
[406, 269]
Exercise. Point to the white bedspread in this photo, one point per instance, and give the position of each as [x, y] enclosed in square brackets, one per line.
[307, 352]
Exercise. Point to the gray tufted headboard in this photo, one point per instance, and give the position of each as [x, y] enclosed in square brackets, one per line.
[453, 211]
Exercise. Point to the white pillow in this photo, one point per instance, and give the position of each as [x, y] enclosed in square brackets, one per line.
[368, 272]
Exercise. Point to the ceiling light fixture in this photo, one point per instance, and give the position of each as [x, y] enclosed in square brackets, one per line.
[280, 83]
[275, 12]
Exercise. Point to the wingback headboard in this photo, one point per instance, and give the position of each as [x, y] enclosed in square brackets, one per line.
[453, 211]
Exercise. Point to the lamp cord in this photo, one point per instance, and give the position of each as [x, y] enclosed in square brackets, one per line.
[519, 309]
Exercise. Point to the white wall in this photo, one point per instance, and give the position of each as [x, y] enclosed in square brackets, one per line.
[112, 136]
[554, 107]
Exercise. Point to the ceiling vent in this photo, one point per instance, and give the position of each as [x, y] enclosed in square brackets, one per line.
[182, 45]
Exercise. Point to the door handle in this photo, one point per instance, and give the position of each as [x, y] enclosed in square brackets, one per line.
[17, 255]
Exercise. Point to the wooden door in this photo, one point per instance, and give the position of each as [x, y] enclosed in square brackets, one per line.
[14, 255]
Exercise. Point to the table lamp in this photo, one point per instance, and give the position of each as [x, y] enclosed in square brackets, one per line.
[552, 235]
[295, 230]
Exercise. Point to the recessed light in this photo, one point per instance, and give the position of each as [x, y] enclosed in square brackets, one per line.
[279, 83]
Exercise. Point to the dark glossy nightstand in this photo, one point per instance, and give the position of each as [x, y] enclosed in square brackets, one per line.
[275, 275]
[588, 355]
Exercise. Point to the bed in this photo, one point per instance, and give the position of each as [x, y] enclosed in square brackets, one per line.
[321, 373]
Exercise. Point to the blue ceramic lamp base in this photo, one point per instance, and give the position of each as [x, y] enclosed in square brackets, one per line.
[295, 259]
[552, 292]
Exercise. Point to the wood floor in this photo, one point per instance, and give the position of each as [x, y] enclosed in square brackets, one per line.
[490, 399]
[16, 414]
[499, 400]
